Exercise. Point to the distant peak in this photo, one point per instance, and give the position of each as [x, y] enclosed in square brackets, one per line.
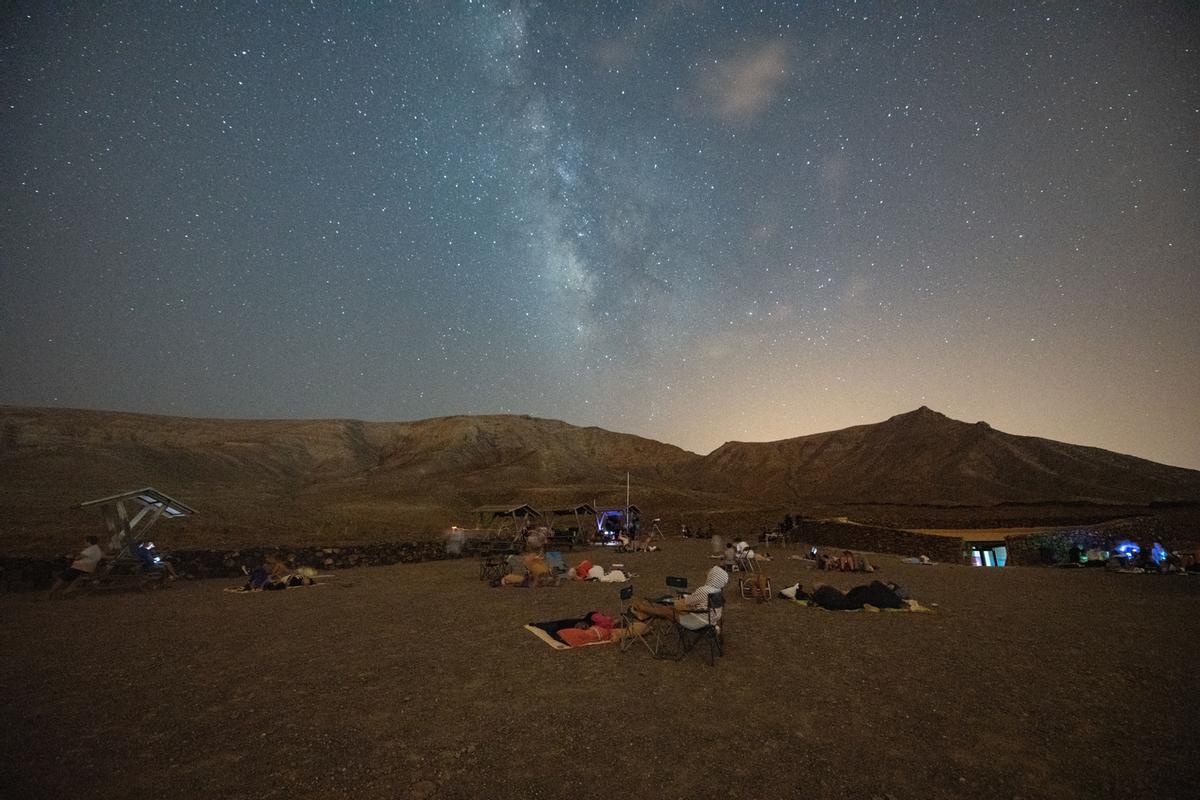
[924, 412]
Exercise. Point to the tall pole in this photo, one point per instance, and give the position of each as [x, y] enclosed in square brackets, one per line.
[628, 524]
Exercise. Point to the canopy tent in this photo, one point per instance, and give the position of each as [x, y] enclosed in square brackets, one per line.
[147, 505]
[616, 519]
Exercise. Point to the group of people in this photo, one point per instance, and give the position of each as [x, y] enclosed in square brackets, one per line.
[690, 610]
[274, 575]
[693, 608]
[1154, 559]
[844, 561]
[533, 570]
[874, 595]
[143, 556]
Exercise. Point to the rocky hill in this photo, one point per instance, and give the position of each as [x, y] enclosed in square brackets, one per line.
[925, 458]
[328, 480]
[314, 480]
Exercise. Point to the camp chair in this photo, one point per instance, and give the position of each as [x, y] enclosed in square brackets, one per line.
[492, 568]
[689, 629]
[753, 585]
[626, 620]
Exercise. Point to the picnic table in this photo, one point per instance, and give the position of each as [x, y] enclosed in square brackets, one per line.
[560, 540]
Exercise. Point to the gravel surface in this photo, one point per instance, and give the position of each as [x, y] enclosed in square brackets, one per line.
[418, 681]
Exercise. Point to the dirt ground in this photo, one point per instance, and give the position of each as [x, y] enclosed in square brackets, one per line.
[419, 681]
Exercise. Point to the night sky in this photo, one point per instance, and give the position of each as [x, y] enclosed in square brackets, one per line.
[691, 221]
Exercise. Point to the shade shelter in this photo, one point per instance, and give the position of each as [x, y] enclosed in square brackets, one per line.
[578, 512]
[130, 515]
[490, 515]
[583, 514]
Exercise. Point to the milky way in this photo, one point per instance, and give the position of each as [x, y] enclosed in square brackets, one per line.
[685, 220]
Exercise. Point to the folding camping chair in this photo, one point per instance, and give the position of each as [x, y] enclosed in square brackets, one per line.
[627, 619]
[492, 568]
[753, 585]
[688, 629]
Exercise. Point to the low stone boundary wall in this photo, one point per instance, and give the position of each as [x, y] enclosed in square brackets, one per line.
[25, 574]
[848, 536]
[1052, 547]
[18, 573]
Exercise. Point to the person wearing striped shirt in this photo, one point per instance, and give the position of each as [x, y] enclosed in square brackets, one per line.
[685, 608]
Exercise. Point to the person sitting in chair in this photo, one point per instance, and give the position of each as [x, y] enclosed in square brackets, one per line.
[151, 559]
[685, 607]
[86, 564]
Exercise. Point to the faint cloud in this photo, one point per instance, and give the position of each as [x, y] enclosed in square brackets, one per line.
[740, 88]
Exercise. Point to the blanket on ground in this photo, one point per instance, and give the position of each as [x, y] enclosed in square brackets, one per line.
[558, 644]
[592, 628]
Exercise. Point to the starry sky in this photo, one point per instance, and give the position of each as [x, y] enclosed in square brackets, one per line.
[692, 221]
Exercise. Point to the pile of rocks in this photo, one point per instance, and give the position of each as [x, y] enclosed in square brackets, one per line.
[229, 563]
[1052, 547]
[26, 574]
[20, 573]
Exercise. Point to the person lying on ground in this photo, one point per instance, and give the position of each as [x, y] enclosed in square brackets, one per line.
[875, 594]
[846, 561]
[828, 561]
[592, 627]
[288, 581]
[85, 564]
[274, 575]
[684, 607]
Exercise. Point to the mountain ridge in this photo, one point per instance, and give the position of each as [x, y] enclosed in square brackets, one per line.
[251, 475]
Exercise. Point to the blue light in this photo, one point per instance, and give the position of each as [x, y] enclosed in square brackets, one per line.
[1127, 549]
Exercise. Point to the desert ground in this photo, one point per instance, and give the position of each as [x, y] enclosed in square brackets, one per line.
[419, 681]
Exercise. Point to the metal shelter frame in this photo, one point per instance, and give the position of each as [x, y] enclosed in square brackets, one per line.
[128, 516]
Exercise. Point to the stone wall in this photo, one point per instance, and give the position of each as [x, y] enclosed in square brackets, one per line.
[18, 573]
[1052, 547]
[849, 536]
